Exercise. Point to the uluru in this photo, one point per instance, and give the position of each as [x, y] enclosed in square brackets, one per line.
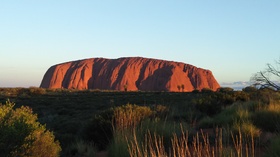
[132, 73]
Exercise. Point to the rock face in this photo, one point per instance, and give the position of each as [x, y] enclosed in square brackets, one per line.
[134, 73]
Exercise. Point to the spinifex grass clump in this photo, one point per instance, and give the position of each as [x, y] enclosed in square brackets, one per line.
[129, 116]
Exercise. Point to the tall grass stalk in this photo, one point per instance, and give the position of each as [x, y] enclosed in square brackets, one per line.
[237, 141]
[180, 146]
[242, 142]
[151, 147]
[201, 146]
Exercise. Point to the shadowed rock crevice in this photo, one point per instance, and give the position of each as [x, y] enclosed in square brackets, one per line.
[120, 76]
[140, 79]
[136, 72]
[94, 81]
[159, 80]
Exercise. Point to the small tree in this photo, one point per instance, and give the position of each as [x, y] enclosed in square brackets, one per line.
[225, 89]
[22, 135]
[264, 78]
[125, 87]
[182, 87]
[179, 88]
[250, 89]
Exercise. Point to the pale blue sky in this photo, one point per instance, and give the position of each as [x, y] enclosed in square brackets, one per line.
[234, 39]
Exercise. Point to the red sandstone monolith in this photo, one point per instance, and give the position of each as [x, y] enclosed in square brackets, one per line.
[133, 73]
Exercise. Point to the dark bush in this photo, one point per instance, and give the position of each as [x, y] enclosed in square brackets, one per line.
[267, 120]
[250, 89]
[206, 90]
[37, 91]
[209, 105]
[195, 91]
[273, 149]
[225, 89]
[99, 130]
[241, 96]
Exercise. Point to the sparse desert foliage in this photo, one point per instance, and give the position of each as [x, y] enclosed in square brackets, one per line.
[89, 121]
[22, 135]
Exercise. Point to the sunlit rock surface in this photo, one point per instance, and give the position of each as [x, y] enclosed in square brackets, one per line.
[135, 73]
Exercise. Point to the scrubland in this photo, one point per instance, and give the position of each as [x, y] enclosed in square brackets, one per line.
[151, 124]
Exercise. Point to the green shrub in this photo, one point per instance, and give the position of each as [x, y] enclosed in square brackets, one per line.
[161, 111]
[267, 120]
[195, 91]
[226, 98]
[242, 114]
[241, 96]
[266, 95]
[130, 115]
[273, 150]
[226, 117]
[253, 106]
[10, 146]
[99, 130]
[225, 89]
[250, 89]
[118, 147]
[37, 91]
[247, 128]
[209, 104]
[206, 122]
[206, 90]
[165, 129]
[184, 112]
[81, 148]
[22, 135]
